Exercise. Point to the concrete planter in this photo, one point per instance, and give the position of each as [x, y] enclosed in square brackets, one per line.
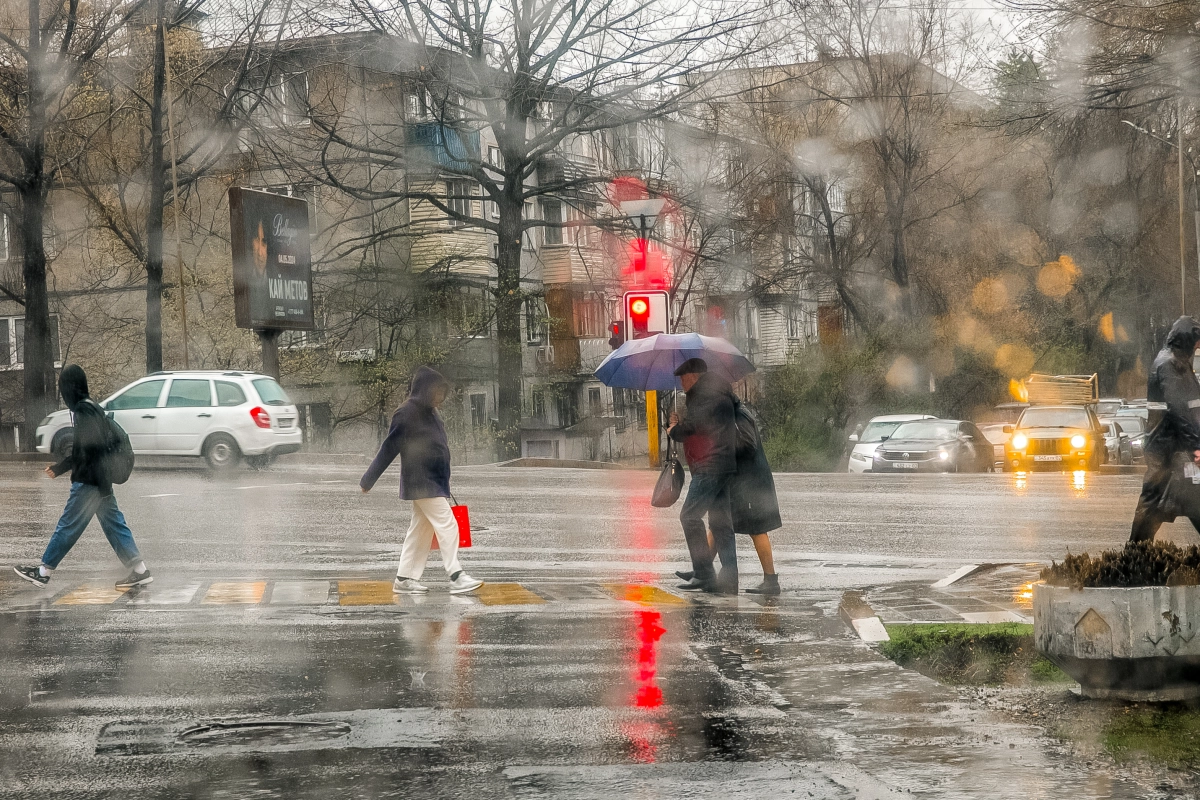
[1131, 644]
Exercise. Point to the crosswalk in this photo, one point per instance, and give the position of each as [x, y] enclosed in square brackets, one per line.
[325, 592]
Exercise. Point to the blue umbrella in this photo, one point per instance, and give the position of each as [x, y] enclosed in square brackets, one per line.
[649, 364]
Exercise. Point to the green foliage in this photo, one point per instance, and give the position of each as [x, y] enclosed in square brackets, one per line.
[1136, 564]
[961, 653]
[1166, 734]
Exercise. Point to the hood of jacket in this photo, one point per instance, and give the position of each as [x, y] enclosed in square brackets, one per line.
[1183, 337]
[72, 385]
[425, 382]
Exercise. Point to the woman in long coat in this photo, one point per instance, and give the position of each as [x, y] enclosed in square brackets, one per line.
[754, 508]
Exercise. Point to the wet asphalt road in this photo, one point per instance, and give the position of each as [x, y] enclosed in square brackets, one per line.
[269, 658]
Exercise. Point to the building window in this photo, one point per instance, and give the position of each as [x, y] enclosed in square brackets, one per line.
[12, 342]
[494, 158]
[568, 408]
[3, 237]
[539, 405]
[535, 321]
[795, 321]
[619, 409]
[595, 402]
[458, 200]
[589, 317]
[527, 240]
[284, 104]
[479, 411]
[417, 104]
[751, 313]
[552, 213]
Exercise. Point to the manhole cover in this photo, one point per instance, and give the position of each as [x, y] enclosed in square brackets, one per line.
[280, 732]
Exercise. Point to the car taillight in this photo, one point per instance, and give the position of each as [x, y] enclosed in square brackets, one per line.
[260, 416]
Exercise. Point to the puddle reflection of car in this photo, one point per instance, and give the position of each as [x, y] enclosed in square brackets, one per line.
[1120, 450]
[1056, 438]
[862, 455]
[937, 445]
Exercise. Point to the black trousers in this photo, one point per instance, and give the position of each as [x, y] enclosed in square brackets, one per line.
[1150, 514]
[709, 494]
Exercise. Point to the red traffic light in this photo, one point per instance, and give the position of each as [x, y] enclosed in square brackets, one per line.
[639, 307]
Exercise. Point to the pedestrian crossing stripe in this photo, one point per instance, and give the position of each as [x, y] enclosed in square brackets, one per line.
[507, 594]
[234, 593]
[90, 596]
[365, 593]
[643, 594]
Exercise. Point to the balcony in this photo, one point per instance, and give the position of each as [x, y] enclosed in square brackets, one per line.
[435, 145]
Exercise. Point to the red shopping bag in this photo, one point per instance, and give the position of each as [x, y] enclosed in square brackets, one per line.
[463, 517]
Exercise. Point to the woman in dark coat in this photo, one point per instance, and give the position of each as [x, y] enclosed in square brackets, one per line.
[754, 506]
[1173, 443]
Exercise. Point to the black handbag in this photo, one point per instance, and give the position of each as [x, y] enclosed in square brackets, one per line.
[670, 482]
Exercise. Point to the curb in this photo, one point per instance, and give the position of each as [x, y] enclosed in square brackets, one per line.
[563, 463]
[27, 458]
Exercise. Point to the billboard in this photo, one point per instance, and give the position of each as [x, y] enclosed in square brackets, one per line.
[272, 264]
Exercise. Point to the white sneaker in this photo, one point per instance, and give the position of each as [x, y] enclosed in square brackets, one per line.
[464, 583]
[408, 586]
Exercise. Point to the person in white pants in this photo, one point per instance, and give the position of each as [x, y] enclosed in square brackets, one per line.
[418, 437]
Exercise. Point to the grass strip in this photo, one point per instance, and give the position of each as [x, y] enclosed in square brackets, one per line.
[966, 654]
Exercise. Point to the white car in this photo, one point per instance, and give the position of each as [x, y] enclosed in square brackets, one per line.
[221, 416]
[876, 431]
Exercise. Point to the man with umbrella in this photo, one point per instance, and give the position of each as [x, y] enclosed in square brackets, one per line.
[709, 438]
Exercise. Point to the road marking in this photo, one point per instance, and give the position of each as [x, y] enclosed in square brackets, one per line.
[957, 575]
[299, 593]
[507, 594]
[337, 481]
[365, 593]
[270, 485]
[90, 596]
[163, 596]
[159, 495]
[233, 592]
[643, 594]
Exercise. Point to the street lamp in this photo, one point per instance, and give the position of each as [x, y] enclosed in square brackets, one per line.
[1196, 214]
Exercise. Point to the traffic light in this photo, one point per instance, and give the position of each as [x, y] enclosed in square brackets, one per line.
[646, 313]
[639, 316]
[618, 334]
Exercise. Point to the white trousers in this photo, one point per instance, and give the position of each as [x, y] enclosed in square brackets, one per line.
[430, 517]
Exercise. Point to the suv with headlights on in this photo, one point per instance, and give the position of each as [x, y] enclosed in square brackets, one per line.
[1058, 437]
[221, 416]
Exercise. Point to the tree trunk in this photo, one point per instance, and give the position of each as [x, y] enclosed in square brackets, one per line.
[38, 360]
[508, 325]
[157, 198]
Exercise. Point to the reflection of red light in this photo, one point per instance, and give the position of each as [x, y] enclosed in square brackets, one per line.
[639, 306]
[649, 632]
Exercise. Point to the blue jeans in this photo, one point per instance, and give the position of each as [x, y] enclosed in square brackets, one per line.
[709, 494]
[84, 503]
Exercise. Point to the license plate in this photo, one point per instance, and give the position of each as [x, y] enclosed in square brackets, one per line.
[285, 422]
[903, 465]
[1047, 458]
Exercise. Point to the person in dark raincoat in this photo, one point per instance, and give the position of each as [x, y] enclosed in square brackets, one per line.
[91, 490]
[754, 507]
[418, 437]
[1173, 442]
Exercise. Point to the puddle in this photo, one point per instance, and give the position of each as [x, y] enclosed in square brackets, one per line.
[283, 732]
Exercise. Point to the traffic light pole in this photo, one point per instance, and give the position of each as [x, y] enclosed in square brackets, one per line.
[652, 426]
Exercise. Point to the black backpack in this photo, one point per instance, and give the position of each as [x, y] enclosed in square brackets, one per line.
[747, 437]
[117, 460]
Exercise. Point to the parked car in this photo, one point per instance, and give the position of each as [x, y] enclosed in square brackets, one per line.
[1134, 425]
[877, 430]
[998, 434]
[1060, 437]
[1120, 451]
[935, 445]
[219, 416]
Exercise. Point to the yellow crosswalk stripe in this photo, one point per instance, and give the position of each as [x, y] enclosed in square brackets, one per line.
[643, 594]
[507, 594]
[233, 592]
[365, 593]
[90, 596]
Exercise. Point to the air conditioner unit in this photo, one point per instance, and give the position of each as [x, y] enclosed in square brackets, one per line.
[545, 355]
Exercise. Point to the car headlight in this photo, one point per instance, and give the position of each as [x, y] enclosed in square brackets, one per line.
[943, 455]
[1020, 441]
[1078, 441]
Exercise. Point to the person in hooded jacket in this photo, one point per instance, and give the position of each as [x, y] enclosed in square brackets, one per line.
[1173, 441]
[418, 437]
[91, 490]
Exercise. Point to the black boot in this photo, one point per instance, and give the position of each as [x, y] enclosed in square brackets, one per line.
[769, 586]
[687, 575]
